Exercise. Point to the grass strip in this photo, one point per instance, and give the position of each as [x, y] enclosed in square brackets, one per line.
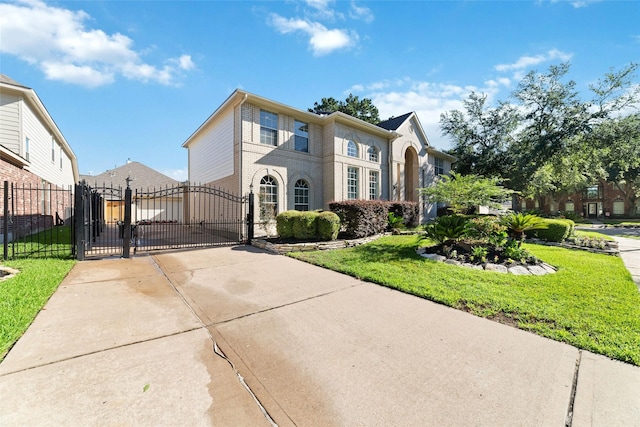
[590, 303]
[23, 296]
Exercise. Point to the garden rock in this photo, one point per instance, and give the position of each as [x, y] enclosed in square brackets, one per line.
[519, 270]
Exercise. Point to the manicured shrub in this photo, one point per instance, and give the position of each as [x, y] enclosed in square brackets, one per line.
[408, 211]
[284, 223]
[305, 226]
[328, 226]
[361, 218]
[557, 230]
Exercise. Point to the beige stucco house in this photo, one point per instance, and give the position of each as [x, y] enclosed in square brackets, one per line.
[295, 159]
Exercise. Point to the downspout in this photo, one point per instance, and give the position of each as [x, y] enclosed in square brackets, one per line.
[390, 169]
[244, 99]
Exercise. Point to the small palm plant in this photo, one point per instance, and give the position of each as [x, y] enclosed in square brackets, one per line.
[518, 223]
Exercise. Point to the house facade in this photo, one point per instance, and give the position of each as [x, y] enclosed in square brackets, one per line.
[295, 159]
[32, 148]
[600, 200]
[35, 161]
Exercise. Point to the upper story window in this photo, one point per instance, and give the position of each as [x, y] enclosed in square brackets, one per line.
[372, 154]
[438, 166]
[268, 128]
[593, 192]
[302, 136]
[53, 150]
[352, 149]
[27, 148]
[60, 155]
[301, 195]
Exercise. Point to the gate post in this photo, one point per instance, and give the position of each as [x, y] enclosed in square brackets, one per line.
[126, 241]
[250, 221]
[78, 221]
[5, 225]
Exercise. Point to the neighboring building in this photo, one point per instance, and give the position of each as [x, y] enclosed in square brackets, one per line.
[156, 197]
[36, 161]
[296, 159]
[32, 148]
[601, 200]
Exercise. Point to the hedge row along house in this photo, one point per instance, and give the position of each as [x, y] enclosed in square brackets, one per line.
[295, 159]
[36, 159]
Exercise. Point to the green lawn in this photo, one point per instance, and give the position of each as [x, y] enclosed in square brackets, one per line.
[591, 302]
[22, 296]
[55, 242]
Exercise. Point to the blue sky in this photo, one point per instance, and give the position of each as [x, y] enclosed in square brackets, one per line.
[133, 79]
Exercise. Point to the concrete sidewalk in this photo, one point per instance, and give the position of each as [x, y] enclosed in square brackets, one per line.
[130, 342]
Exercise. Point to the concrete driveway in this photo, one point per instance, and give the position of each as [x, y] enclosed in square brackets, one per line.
[133, 342]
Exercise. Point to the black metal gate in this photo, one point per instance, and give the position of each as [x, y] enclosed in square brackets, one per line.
[116, 221]
[36, 221]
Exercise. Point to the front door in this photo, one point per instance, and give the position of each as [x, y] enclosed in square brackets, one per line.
[592, 210]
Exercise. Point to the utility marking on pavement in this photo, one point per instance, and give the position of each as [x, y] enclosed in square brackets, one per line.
[574, 388]
[217, 350]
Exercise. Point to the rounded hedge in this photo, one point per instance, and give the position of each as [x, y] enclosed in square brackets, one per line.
[284, 223]
[305, 225]
[558, 230]
[328, 226]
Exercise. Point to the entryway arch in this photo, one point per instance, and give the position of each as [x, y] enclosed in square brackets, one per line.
[411, 175]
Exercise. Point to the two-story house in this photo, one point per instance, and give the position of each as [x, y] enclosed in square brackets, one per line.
[295, 159]
[35, 159]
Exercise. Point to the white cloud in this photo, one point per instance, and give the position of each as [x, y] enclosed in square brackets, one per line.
[428, 99]
[528, 61]
[577, 3]
[361, 12]
[58, 42]
[321, 39]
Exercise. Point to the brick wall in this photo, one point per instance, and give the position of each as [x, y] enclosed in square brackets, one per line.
[32, 208]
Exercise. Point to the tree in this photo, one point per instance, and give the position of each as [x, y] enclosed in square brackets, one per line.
[463, 192]
[618, 143]
[482, 136]
[549, 140]
[552, 114]
[362, 109]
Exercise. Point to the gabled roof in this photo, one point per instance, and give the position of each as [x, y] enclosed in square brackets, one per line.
[34, 101]
[142, 177]
[240, 96]
[8, 80]
[395, 122]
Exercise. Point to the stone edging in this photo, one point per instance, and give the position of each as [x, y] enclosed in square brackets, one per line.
[612, 246]
[519, 270]
[283, 248]
[7, 272]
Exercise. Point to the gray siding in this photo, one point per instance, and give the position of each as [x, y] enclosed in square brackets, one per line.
[211, 154]
[10, 136]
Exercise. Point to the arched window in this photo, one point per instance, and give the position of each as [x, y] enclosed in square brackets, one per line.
[352, 149]
[268, 198]
[372, 154]
[301, 195]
